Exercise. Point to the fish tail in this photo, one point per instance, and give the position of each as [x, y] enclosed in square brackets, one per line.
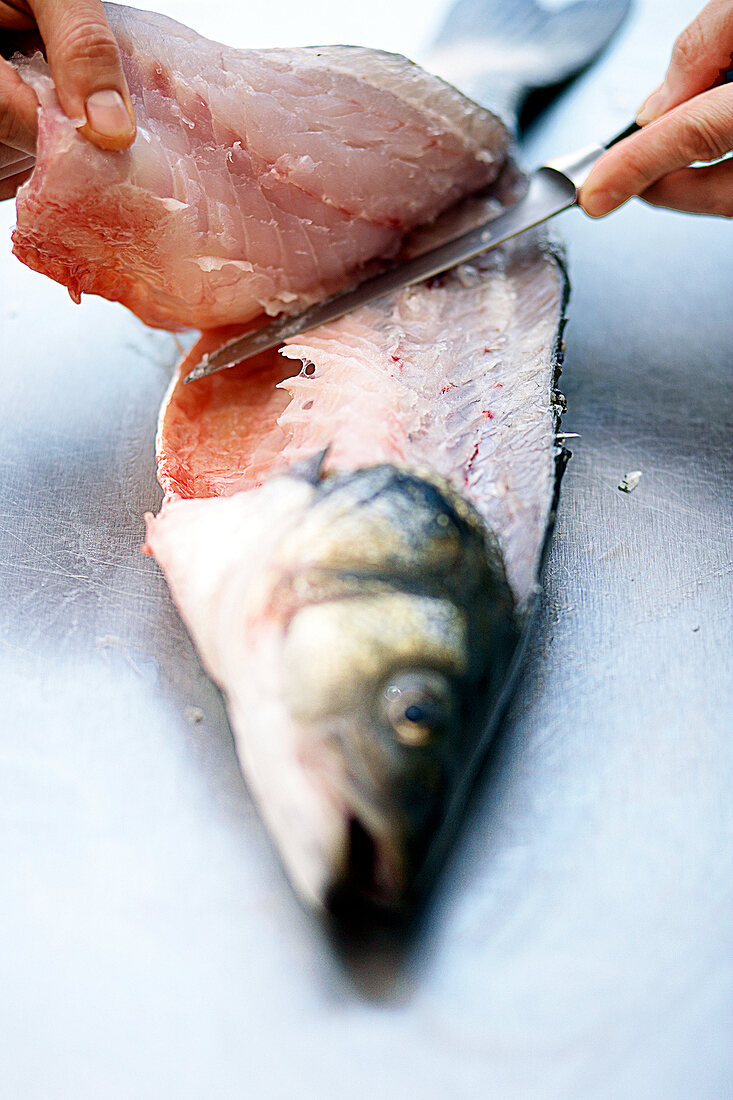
[499, 51]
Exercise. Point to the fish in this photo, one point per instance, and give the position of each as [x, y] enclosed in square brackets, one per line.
[220, 210]
[352, 531]
[353, 526]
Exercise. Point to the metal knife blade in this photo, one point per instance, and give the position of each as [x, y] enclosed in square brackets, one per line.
[552, 189]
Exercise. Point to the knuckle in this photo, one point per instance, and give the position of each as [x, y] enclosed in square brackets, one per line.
[88, 45]
[18, 108]
[689, 48]
[634, 167]
[708, 138]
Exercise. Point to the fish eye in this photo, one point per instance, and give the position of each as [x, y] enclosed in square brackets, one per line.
[417, 706]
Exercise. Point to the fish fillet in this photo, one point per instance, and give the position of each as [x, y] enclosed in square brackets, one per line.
[259, 181]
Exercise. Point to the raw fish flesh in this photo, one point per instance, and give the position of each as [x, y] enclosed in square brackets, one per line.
[259, 181]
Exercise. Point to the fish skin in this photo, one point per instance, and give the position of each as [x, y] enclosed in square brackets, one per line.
[258, 180]
[497, 53]
[361, 626]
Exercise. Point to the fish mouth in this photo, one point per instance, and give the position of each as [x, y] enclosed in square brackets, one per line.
[370, 877]
[372, 868]
[366, 848]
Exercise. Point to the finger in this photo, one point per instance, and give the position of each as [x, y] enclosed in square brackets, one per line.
[87, 70]
[15, 17]
[701, 54]
[13, 161]
[18, 111]
[19, 169]
[696, 190]
[701, 129]
[9, 186]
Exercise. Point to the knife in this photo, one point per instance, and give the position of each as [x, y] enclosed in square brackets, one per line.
[552, 189]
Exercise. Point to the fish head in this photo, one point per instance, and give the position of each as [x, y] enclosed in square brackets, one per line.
[387, 627]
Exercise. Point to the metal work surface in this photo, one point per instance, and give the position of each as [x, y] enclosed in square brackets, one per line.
[580, 942]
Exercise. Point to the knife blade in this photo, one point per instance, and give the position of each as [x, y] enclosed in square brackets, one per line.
[552, 189]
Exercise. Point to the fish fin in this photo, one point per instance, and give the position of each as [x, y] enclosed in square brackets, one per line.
[498, 52]
[310, 469]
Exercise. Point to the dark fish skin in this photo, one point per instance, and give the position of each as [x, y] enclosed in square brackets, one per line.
[407, 725]
[540, 47]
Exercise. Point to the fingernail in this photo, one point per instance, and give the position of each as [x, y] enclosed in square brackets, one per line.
[107, 114]
[652, 107]
[599, 203]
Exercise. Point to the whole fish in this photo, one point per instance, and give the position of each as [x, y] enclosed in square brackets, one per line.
[358, 612]
[353, 527]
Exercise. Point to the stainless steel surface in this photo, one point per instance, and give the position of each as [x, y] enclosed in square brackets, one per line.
[550, 191]
[580, 943]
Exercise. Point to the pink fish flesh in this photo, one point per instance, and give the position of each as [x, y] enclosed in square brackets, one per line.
[259, 181]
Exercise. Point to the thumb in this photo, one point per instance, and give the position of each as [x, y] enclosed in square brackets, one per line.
[87, 70]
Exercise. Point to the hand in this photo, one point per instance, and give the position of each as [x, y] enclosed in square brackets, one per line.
[86, 69]
[686, 119]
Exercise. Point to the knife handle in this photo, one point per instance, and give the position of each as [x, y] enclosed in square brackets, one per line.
[632, 129]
